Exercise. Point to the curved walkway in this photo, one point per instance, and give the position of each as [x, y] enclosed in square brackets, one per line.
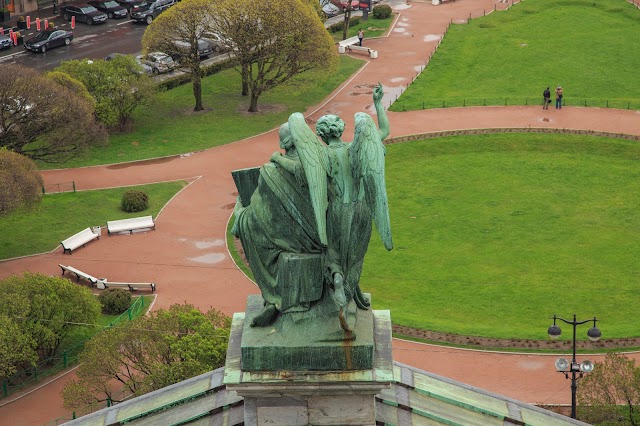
[187, 255]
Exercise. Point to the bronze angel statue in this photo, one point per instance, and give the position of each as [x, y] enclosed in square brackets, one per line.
[314, 206]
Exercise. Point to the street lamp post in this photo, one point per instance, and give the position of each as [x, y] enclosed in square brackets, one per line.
[576, 370]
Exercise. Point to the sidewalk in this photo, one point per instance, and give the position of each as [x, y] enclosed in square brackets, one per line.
[44, 13]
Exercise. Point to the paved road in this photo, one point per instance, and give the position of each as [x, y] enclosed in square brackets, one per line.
[90, 41]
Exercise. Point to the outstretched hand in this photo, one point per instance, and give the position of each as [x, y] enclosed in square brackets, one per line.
[378, 92]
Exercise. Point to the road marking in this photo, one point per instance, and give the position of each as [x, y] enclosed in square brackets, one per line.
[126, 22]
[12, 54]
[85, 37]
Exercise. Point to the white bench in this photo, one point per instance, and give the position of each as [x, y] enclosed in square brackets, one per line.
[130, 225]
[372, 53]
[79, 239]
[342, 45]
[93, 280]
[103, 283]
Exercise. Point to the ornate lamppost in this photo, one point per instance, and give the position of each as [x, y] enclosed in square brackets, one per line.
[576, 370]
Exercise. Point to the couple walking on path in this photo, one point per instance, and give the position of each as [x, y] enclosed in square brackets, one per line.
[547, 98]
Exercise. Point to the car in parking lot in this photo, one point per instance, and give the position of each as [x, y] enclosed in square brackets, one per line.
[205, 48]
[149, 11]
[48, 39]
[83, 13]
[130, 4]
[159, 62]
[5, 42]
[110, 7]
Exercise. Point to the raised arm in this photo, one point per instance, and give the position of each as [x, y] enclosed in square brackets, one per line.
[383, 121]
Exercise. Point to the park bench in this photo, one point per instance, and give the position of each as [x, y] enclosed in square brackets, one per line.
[372, 53]
[131, 224]
[104, 283]
[79, 239]
[93, 280]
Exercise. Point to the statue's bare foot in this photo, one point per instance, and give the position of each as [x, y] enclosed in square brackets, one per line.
[266, 316]
[338, 290]
[361, 299]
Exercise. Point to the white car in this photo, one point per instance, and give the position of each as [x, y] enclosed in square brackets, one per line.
[158, 62]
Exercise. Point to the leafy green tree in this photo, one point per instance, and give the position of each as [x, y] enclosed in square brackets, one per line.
[149, 353]
[610, 394]
[20, 181]
[118, 86]
[273, 42]
[16, 348]
[46, 308]
[186, 22]
[42, 119]
[76, 86]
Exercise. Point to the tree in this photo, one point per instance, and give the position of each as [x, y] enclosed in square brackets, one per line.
[185, 22]
[20, 181]
[610, 394]
[36, 313]
[148, 353]
[273, 42]
[118, 86]
[42, 119]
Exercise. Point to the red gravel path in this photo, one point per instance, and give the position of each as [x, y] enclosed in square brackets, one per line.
[187, 256]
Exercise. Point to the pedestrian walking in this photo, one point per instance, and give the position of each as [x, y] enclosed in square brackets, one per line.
[547, 98]
[558, 97]
[360, 35]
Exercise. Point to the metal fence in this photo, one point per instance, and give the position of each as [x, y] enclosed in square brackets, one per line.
[61, 361]
[401, 105]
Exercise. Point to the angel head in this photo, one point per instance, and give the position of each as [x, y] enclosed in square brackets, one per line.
[286, 140]
[329, 127]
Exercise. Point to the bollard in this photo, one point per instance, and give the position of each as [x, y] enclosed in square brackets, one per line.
[108, 401]
[628, 105]
[607, 103]
[585, 102]
[464, 102]
[485, 102]
[73, 415]
[64, 359]
[129, 312]
[443, 104]
[505, 101]
[422, 104]
[5, 388]
[74, 185]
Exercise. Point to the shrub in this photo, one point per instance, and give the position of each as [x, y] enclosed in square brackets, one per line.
[115, 300]
[20, 181]
[134, 201]
[338, 26]
[382, 11]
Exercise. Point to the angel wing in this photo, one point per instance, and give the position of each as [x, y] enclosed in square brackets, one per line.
[315, 163]
[367, 167]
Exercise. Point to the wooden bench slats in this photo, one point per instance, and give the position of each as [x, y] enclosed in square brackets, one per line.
[79, 239]
[130, 286]
[130, 224]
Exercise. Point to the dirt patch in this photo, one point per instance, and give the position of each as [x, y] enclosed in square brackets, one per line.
[487, 342]
[262, 109]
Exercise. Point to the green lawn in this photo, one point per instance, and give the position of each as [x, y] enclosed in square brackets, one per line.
[509, 57]
[493, 234]
[59, 216]
[372, 28]
[169, 126]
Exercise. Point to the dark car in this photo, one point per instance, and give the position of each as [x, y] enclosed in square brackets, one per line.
[5, 42]
[46, 40]
[130, 4]
[149, 11]
[83, 13]
[205, 48]
[110, 7]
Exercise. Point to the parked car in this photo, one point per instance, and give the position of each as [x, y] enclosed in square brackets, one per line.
[5, 42]
[48, 39]
[130, 4]
[150, 11]
[110, 7]
[158, 62]
[205, 48]
[331, 10]
[342, 4]
[83, 13]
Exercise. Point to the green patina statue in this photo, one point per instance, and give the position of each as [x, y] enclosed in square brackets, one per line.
[305, 218]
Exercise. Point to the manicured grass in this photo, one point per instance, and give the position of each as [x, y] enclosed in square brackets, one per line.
[169, 126]
[495, 233]
[372, 28]
[59, 216]
[509, 57]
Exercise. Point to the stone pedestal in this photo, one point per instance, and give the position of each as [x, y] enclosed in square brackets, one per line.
[314, 395]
